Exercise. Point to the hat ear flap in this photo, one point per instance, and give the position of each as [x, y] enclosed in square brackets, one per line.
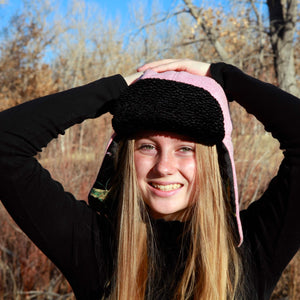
[227, 171]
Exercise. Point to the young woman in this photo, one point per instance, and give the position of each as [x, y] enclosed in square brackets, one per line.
[168, 224]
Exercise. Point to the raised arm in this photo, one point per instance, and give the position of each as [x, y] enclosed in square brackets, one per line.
[276, 109]
[271, 224]
[63, 228]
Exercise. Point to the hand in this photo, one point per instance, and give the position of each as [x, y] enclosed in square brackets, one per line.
[133, 77]
[187, 65]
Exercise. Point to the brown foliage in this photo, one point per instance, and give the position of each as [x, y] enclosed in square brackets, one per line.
[22, 74]
[86, 51]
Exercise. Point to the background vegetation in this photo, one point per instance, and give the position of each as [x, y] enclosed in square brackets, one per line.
[44, 51]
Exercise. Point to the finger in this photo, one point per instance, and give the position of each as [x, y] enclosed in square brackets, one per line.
[170, 65]
[167, 67]
[187, 65]
[154, 64]
[176, 65]
[190, 66]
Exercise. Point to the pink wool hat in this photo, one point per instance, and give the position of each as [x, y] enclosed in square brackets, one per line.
[180, 102]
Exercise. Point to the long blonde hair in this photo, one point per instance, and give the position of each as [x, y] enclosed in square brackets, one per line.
[213, 266]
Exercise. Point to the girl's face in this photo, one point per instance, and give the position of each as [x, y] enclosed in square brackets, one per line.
[165, 167]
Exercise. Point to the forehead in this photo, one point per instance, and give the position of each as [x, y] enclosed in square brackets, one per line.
[152, 134]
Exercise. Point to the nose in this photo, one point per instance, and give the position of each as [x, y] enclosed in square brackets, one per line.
[165, 164]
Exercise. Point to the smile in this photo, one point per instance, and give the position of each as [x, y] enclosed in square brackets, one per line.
[166, 187]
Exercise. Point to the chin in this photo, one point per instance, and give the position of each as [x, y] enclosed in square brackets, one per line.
[178, 215]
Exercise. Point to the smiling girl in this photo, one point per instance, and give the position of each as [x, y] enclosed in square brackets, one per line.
[163, 219]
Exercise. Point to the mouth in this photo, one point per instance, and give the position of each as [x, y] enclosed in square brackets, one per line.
[166, 187]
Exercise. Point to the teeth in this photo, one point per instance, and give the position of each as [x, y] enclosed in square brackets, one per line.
[168, 187]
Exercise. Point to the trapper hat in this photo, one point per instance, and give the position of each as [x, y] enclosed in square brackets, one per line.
[180, 102]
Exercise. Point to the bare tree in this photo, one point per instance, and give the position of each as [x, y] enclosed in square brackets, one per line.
[280, 32]
[283, 17]
[211, 34]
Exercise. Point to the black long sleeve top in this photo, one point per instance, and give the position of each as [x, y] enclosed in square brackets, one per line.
[76, 238]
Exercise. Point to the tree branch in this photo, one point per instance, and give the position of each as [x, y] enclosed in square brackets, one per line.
[212, 37]
[163, 19]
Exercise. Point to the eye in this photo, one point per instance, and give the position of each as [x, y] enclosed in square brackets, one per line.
[146, 148]
[186, 149]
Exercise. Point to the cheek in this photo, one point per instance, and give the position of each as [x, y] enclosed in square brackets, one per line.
[137, 164]
[142, 166]
[189, 170]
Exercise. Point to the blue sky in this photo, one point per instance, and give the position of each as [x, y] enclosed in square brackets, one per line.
[110, 8]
